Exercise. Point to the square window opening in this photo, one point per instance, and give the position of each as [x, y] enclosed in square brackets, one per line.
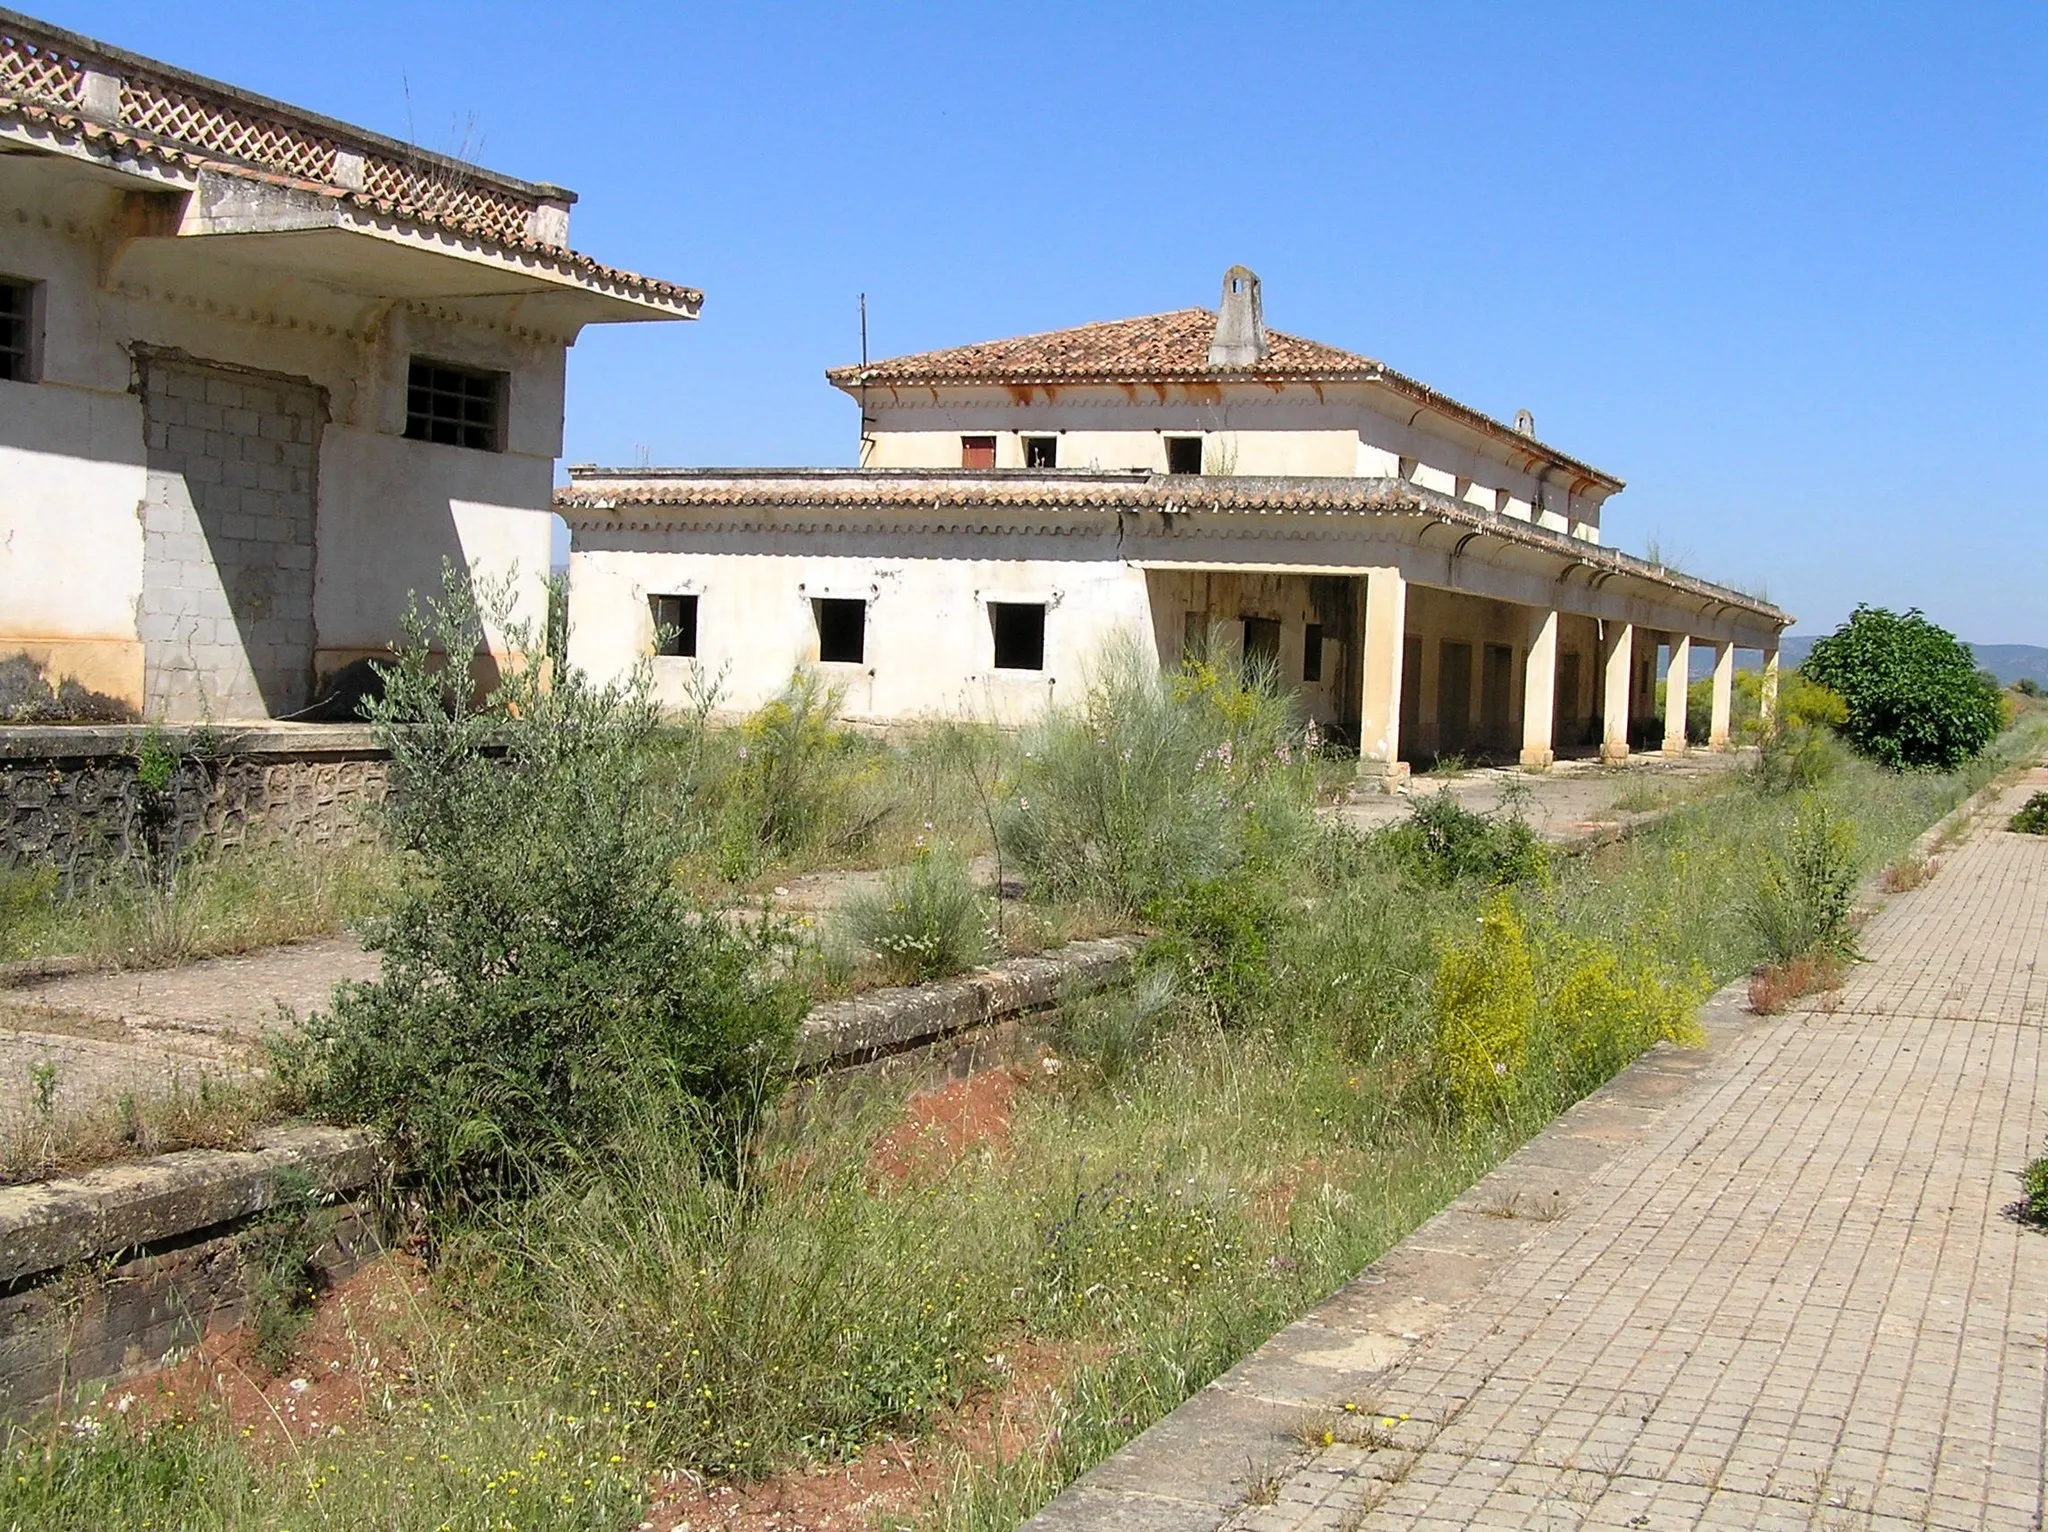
[842, 630]
[17, 331]
[675, 625]
[1041, 452]
[455, 406]
[1312, 652]
[1019, 633]
[1184, 454]
[977, 452]
[1262, 645]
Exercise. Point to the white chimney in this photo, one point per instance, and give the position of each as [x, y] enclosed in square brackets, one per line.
[1240, 322]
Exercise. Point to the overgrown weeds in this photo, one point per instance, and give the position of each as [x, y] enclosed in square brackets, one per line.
[53, 1138]
[1153, 783]
[1804, 904]
[927, 920]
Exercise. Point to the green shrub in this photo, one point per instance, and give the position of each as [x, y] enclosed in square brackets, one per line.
[1484, 1001]
[542, 974]
[2032, 819]
[1218, 938]
[927, 920]
[1152, 782]
[1802, 907]
[1913, 694]
[1442, 844]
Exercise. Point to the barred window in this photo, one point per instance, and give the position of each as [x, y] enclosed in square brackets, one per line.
[17, 331]
[455, 406]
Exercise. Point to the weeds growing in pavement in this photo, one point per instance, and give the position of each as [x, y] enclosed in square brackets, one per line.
[2032, 818]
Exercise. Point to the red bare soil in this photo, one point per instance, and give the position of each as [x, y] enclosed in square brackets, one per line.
[351, 1352]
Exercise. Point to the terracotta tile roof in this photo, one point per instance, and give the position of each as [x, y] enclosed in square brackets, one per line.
[1152, 348]
[1173, 348]
[189, 123]
[660, 496]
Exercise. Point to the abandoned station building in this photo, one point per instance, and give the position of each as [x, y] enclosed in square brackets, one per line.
[260, 373]
[1426, 578]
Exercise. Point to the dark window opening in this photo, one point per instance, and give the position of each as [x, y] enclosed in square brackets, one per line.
[1312, 652]
[675, 625]
[17, 331]
[1262, 644]
[1041, 452]
[1183, 454]
[842, 630]
[977, 452]
[454, 406]
[1020, 634]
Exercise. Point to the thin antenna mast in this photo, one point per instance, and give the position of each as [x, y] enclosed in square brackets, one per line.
[866, 441]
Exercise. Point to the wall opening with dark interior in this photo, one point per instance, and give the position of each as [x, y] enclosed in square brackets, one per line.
[675, 625]
[842, 630]
[1262, 644]
[1041, 452]
[1312, 652]
[1183, 454]
[17, 331]
[1019, 628]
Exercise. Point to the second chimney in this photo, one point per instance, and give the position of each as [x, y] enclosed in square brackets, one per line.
[1240, 322]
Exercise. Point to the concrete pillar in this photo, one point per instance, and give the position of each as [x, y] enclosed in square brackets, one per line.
[1767, 702]
[1676, 680]
[1539, 694]
[1617, 687]
[1379, 714]
[1724, 693]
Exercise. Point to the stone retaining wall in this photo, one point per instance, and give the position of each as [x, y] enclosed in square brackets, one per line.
[72, 795]
[104, 1273]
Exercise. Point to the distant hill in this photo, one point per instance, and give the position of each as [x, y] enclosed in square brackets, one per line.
[2009, 662]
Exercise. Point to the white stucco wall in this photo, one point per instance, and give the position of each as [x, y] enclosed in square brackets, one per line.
[72, 451]
[1249, 429]
[929, 648]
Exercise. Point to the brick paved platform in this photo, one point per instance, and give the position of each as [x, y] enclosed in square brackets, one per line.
[1783, 1292]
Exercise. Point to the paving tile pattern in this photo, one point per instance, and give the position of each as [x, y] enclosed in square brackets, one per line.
[1800, 1302]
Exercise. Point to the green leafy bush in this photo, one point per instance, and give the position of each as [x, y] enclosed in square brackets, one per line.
[1802, 907]
[1219, 937]
[543, 977]
[1912, 692]
[927, 920]
[1443, 844]
[1153, 782]
[2032, 819]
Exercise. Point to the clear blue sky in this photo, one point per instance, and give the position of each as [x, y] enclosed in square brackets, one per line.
[1780, 267]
